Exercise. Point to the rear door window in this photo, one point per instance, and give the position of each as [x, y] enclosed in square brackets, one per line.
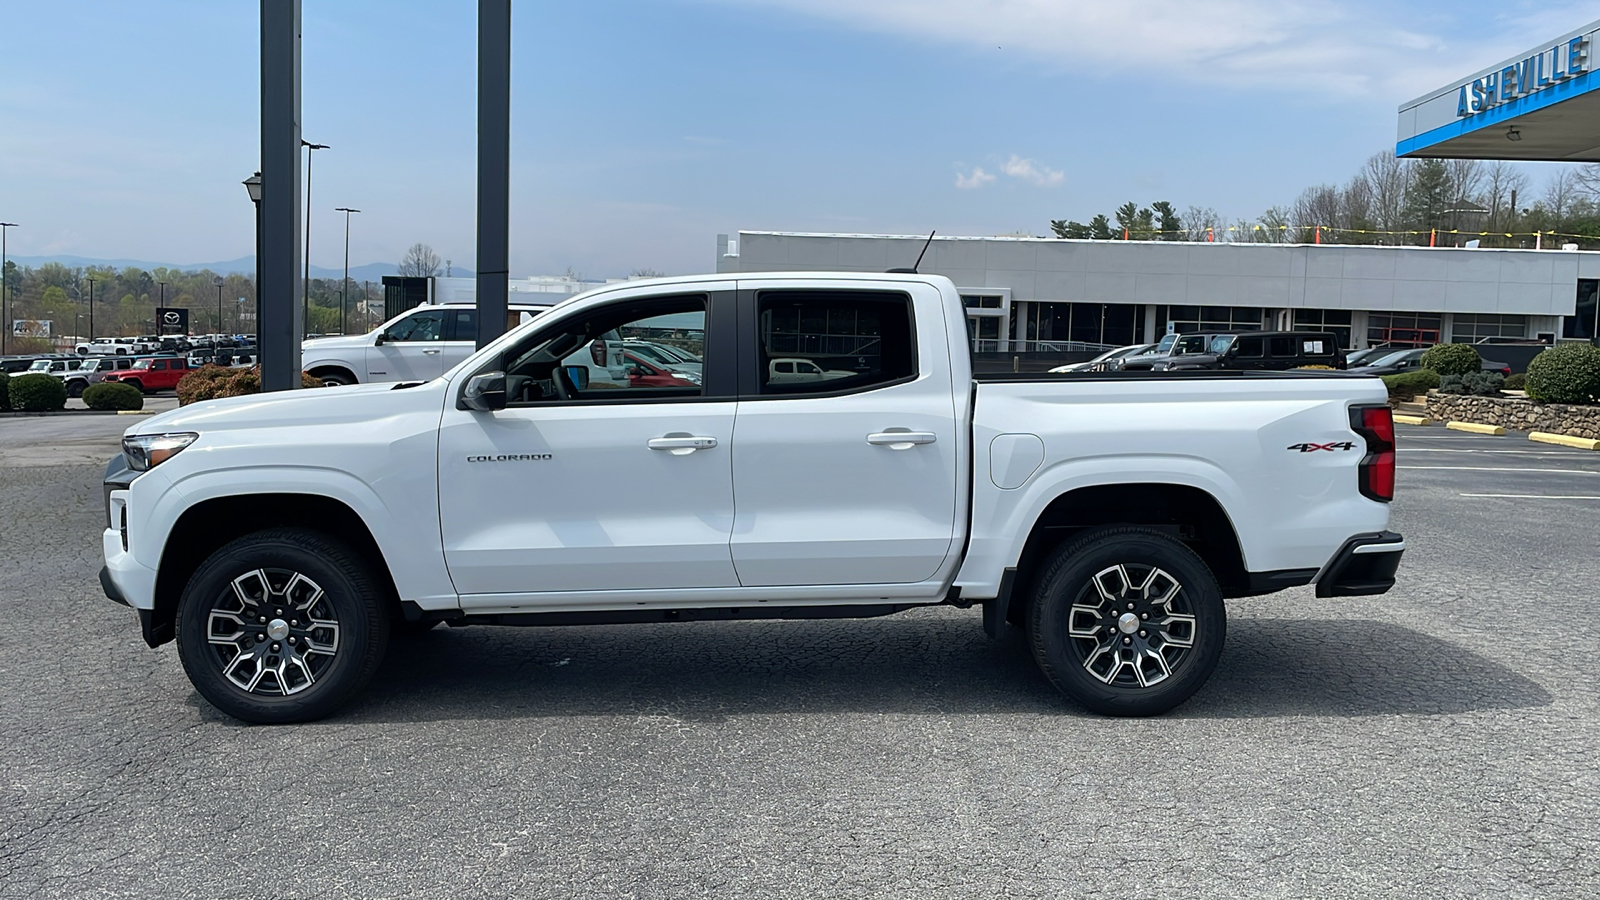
[813, 342]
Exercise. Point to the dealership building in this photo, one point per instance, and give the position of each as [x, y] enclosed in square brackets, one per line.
[1026, 294]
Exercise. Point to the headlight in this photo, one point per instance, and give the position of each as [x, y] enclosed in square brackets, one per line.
[146, 451]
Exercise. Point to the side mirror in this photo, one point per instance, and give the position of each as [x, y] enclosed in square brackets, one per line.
[485, 392]
[378, 341]
[579, 376]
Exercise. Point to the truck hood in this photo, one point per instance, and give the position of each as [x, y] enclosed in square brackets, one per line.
[349, 405]
[324, 345]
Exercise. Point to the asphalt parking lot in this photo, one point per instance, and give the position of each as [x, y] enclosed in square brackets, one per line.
[1436, 741]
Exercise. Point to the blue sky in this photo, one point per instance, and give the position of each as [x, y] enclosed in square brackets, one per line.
[642, 129]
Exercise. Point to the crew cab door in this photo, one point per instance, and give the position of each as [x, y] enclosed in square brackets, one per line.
[583, 486]
[850, 476]
[411, 349]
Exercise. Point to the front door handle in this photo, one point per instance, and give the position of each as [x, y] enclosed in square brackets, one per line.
[901, 440]
[681, 444]
[431, 352]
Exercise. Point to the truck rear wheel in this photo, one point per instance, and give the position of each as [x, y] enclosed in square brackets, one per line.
[1126, 621]
[283, 625]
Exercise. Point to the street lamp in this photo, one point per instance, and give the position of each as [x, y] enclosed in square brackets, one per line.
[253, 186]
[345, 284]
[218, 281]
[5, 323]
[163, 306]
[305, 301]
[91, 309]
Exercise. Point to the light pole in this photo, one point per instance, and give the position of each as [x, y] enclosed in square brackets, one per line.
[157, 316]
[305, 301]
[253, 186]
[5, 322]
[218, 281]
[344, 285]
[366, 306]
[91, 310]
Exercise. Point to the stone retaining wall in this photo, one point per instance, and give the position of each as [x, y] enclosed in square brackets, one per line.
[1516, 414]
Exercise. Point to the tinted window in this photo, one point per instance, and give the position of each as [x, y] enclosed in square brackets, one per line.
[586, 358]
[1249, 347]
[1282, 345]
[461, 325]
[422, 326]
[833, 340]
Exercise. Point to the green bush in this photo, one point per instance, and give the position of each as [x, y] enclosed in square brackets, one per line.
[38, 393]
[110, 395]
[210, 382]
[5, 392]
[1452, 359]
[1514, 382]
[1407, 385]
[1477, 384]
[1566, 373]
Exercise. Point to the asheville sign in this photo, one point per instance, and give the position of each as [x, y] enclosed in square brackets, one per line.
[1545, 68]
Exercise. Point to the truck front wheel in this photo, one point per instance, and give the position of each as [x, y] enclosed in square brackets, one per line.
[283, 625]
[1126, 621]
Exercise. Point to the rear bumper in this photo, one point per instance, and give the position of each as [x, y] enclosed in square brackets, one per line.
[1365, 565]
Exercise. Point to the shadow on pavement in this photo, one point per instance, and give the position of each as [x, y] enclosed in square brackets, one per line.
[920, 663]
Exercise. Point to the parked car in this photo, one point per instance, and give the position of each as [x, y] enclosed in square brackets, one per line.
[93, 371]
[1170, 346]
[153, 373]
[1399, 361]
[644, 373]
[663, 355]
[1366, 354]
[795, 371]
[288, 535]
[1119, 353]
[52, 365]
[418, 345]
[1262, 350]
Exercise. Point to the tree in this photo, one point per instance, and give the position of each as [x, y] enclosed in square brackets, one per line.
[1503, 179]
[1387, 178]
[1135, 223]
[646, 273]
[1202, 223]
[1428, 196]
[1168, 225]
[420, 261]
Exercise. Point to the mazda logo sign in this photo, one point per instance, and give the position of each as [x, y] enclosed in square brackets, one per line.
[171, 318]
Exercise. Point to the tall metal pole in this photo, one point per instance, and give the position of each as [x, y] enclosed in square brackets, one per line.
[494, 166]
[157, 317]
[281, 319]
[366, 306]
[311, 150]
[91, 310]
[5, 288]
[219, 306]
[344, 285]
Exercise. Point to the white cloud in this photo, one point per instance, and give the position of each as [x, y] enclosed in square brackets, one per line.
[976, 180]
[1017, 167]
[1359, 47]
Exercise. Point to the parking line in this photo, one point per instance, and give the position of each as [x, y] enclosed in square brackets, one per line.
[1500, 469]
[1538, 496]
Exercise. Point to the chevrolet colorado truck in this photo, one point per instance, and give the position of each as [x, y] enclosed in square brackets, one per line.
[282, 538]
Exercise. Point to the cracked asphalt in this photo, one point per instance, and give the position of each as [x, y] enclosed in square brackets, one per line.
[1438, 741]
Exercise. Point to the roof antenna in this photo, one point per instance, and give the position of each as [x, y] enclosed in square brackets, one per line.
[913, 269]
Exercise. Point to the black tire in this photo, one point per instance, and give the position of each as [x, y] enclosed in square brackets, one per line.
[1087, 646]
[329, 666]
[335, 378]
[136, 384]
[75, 388]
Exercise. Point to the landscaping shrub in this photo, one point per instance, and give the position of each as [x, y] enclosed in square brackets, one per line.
[1514, 382]
[1316, 366]
[1566, 373]
[210, 382]
[5, 392]
[110, 395]
[1477, 384]
[1452, 359]
[38, 393]
[1407, 385]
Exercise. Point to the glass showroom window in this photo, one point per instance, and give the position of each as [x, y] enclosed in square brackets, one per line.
[1334, 320]
[1191, 319]
[1470, 329]
[1403, 329]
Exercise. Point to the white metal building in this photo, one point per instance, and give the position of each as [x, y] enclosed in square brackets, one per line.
[1037, 294]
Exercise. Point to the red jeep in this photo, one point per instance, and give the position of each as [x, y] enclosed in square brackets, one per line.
[152, 373]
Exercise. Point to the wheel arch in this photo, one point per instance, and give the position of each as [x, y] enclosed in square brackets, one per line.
[1190, 514]
[319, 369]
[208, 525]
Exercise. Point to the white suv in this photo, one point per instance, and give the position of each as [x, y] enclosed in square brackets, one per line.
[418, 345]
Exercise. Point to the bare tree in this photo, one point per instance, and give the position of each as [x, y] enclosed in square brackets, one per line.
[1322, 205]
[1501, 181]
[1588, 178]
[1387, 179]
[1560, 193]
[1202, 223]
[420, 261]
[646, 273]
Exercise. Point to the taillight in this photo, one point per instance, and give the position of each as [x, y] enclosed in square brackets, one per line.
[1376, 472]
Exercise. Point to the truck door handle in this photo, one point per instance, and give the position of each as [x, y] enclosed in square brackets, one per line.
[901, 440]
[681, 444]
[431, 352]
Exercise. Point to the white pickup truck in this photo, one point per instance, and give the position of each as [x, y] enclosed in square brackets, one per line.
[420, 344]
[282, 538]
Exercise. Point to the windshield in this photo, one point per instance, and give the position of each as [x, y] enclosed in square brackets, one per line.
[40, 365]
[142, 363]
[1389, 359]
[1166, 343]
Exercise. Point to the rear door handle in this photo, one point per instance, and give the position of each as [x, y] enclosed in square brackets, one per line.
[681, 444]
[901, 440]
[431, 352]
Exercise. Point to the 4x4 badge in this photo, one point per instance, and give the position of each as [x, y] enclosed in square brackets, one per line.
[1336, 445]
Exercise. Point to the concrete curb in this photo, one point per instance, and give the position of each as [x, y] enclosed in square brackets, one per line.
[1475, 428]
[1402, 419]
[1565, 440]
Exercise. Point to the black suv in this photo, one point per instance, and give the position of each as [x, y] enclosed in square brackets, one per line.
[1262, 350]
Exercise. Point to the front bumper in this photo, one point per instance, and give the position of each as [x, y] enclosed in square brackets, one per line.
[1365, 565]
